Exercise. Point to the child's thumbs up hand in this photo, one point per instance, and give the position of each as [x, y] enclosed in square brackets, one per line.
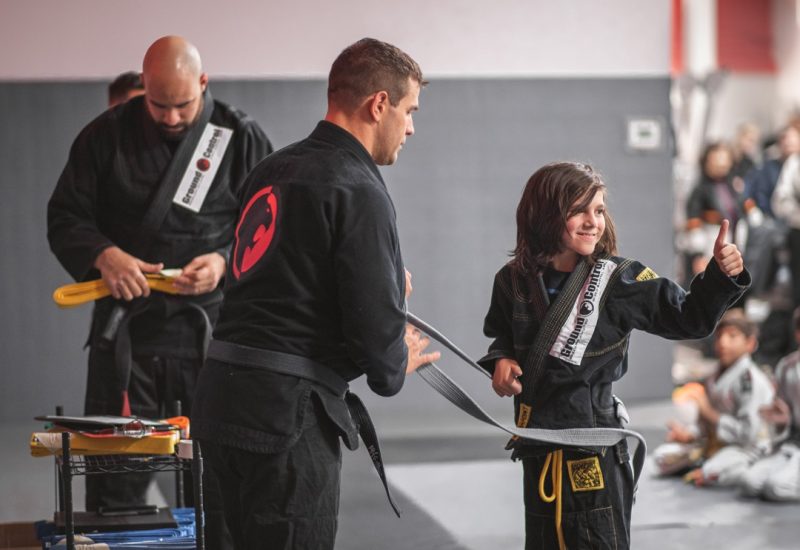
[727, 255]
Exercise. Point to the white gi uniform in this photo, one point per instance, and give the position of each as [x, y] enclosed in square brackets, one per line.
[777, 477]
[737, 393]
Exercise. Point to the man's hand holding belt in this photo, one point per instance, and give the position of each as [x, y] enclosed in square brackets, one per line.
[124, 274]
[201, 275]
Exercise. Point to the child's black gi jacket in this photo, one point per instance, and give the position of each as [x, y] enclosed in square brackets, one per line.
[572, 350]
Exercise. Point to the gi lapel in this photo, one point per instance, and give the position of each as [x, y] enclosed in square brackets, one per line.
[573, 338]
[570, 312]
[171, 179]
[540, 300]
[550, 326]
[530, 289]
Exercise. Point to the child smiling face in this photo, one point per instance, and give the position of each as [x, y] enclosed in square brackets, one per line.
[584, 227]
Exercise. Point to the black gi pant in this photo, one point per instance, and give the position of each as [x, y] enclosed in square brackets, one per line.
[591, 518]
[156, 382]
[287, 500]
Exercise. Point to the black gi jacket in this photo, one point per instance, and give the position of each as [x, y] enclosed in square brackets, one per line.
[580, 396]
[115, 166]
[315, 271]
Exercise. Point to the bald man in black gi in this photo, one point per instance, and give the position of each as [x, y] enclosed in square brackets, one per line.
[150, 184]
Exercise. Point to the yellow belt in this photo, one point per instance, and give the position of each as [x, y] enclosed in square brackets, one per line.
[554, 463]
[79, 293]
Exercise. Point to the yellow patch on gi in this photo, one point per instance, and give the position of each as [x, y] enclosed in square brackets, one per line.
[524, 415]
[585, 474]
[646, 275]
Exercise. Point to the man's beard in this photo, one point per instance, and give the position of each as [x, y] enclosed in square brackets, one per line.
[173, 133]
[179, 131]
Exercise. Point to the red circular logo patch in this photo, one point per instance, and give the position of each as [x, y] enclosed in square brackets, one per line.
[255, 230]
[203, 164]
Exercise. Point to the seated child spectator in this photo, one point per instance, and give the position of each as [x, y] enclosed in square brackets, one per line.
[777, 477]
[730, 434]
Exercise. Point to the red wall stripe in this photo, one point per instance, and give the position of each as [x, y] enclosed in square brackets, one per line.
[744, 36]
[676, 58]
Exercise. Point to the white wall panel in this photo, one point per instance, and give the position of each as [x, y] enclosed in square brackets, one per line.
[94, 39]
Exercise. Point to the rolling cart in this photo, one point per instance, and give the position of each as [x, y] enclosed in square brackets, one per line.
[69, 465]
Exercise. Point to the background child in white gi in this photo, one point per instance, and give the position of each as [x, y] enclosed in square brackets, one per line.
[728, 410]
[777, 477]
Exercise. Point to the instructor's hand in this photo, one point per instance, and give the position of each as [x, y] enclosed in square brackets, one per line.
[123, 274]
[504, 380]
[727, 255]
[416, 344]
[201, 275]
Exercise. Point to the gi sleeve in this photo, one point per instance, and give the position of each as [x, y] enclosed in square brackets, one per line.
[661, 307]
[255, 146]
[72, 229]
[497, 324]
[746, 427]
[371, 286]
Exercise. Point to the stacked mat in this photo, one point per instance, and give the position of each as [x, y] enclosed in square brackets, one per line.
[181, 537]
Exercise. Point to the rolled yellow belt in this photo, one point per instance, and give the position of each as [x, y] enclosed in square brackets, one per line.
[76, 294]
[554, 463]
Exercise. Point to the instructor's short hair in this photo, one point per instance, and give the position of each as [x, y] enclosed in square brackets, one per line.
[371, 66]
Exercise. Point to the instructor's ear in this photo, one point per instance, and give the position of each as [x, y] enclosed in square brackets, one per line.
[378, 104]
[203, 82]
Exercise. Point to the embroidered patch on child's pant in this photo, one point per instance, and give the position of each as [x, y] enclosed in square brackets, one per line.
[585, 474]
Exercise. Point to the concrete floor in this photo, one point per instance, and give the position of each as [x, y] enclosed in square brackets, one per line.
[465, 487]
[459, 491]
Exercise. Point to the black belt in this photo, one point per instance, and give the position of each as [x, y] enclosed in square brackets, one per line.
[118, 330]
[303, 367]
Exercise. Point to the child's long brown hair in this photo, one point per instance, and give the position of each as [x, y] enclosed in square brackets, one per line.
[553, 194]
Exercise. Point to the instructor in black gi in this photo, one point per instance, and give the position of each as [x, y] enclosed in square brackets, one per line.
[153, 183]
[314, 297]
